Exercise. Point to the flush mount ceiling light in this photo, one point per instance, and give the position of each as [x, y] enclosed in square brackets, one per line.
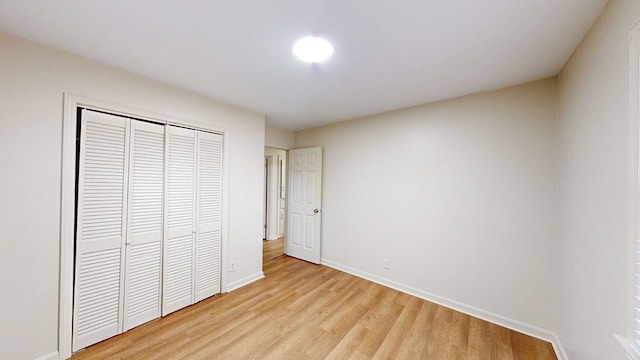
[312, 49]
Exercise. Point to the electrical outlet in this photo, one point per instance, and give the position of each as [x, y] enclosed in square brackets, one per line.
[232, 266]
[386, 264]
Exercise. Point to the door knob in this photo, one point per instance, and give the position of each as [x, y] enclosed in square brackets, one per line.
[315, 211]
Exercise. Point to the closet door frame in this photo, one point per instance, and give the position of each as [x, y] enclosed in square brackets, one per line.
[72, 103]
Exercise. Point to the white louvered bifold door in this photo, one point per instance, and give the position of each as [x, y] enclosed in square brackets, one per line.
[180, 219]
[100, 231]
[145, 226]
[208, 219]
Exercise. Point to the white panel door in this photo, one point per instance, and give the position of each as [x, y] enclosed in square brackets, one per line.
[305, 204]
[180, 183]
[101, 215]
[209, 215]
[145, 224]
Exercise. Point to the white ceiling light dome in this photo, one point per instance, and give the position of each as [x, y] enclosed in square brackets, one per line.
[312, 49]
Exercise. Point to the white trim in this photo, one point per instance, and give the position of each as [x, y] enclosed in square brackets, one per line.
[65, 315]
[244, 281]
[632, 182]
[224, 243]
[52, 356]
[504, 321]
[67, 201]
[558, 348]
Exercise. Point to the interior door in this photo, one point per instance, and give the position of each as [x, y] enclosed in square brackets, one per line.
[145, 225]
[180, 219]
[305, 204]
[102, 184]
[209, 215]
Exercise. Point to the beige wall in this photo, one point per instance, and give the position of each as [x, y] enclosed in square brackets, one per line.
[459, 195]
[32, 81]
[593, 138]
[279, 138]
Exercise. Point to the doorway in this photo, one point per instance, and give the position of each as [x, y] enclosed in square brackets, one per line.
[275, 199]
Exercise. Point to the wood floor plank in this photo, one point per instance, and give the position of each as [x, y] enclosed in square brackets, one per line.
[415, 341]
[305, 311]
[480, 344]
[390, 347]
[501, 340]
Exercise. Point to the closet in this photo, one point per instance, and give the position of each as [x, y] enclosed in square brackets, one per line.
[148, 222]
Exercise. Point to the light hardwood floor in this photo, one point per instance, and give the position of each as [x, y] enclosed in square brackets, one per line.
[272, 249]
[305, 311]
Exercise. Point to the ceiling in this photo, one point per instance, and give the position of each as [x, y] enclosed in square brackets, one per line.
[388, 54]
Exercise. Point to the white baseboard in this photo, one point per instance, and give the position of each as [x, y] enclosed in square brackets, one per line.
[244, 281]
[52, 356]
[504, 321]
[557, 347]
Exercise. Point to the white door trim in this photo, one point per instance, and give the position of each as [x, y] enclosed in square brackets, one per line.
[628, 339]
[67, 201]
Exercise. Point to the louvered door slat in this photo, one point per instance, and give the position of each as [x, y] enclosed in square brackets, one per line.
[179, 223]
[209, 205]
[179, 270]
[208, 264]
[142, 299]
[101, 210]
